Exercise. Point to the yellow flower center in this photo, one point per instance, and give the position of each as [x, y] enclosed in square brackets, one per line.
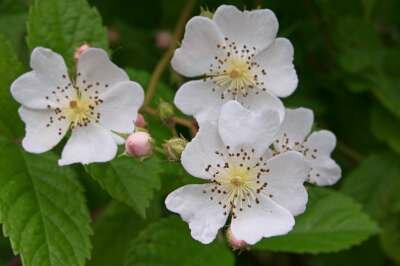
[237, 182]
[79, 112]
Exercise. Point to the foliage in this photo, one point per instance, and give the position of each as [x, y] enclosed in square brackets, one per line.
[347, 58]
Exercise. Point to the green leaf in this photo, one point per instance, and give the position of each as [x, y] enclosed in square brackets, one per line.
[332, 222]
[117, 225]
[42, 209]
[386, 127]
[64, 25]
[361, 50]
[376, 185]
[387, 90]
[367, 254]
[14, 12]
[10, 68]
[168, 242]
[129, 180]
[390, 237]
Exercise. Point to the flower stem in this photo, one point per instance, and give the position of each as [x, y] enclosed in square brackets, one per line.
[349, 152]
[163, 63]
[189, 123]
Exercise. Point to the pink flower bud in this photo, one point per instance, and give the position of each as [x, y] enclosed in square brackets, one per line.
[139, 144]
[163, 39]
[113, 35]
[80, 50]
[235, 243]
[140, 122]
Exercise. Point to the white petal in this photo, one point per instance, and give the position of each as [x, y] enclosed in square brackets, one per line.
[240, 127]
[118, 139]
[89, 144]
[39, 137]
[47, 82]
[324, 141]
[277, 60]
[95, 70]
[265, 219]
[285, 178]
[200, 152]
[325, 171]
[120, 106]
[204, 216]
[256, 28]
[196, 98]
[295, 128]
[199, 47]
[263, 100]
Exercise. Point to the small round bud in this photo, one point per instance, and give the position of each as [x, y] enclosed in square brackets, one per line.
[113, 35]
[165, 110]
[80, 50]
[163, 39]
[174, 147]
[140, 122]
[205, 12]
[139, 144]
[235, 243]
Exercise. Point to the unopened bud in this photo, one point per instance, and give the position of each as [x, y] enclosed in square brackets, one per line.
[113, 35]
[205, 12]
[139, 144]
[140, 122]
[163, 39]
[174, 147]
[165, 110]
[235, 243]
[80, 50]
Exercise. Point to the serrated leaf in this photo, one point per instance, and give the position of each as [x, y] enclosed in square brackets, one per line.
[64, 25]
[376, 185]
[168, 242]
[116, 225]
[386, 127]
[332, 222]
[129, 180]
[42, 209]
[10, 68]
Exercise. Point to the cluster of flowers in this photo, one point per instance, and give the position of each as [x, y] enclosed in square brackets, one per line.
[254, 153]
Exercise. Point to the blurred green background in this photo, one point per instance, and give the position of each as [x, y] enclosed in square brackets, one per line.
[347, 55]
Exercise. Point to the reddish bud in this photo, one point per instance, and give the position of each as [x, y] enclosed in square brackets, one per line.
[235, 243]
[139, 144]
[140, 122]
[80, 50]
[163, 39]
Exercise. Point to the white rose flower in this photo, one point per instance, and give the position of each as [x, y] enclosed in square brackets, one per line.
[294, 135]
[238, 56]
[101, 102]
[261, 195]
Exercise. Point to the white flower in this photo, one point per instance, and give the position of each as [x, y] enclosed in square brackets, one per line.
[101, 102]
[262, 195]
[316, 147]
[238, 56]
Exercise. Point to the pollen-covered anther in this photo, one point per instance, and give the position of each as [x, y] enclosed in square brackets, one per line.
[235, 71]
[237, 180]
